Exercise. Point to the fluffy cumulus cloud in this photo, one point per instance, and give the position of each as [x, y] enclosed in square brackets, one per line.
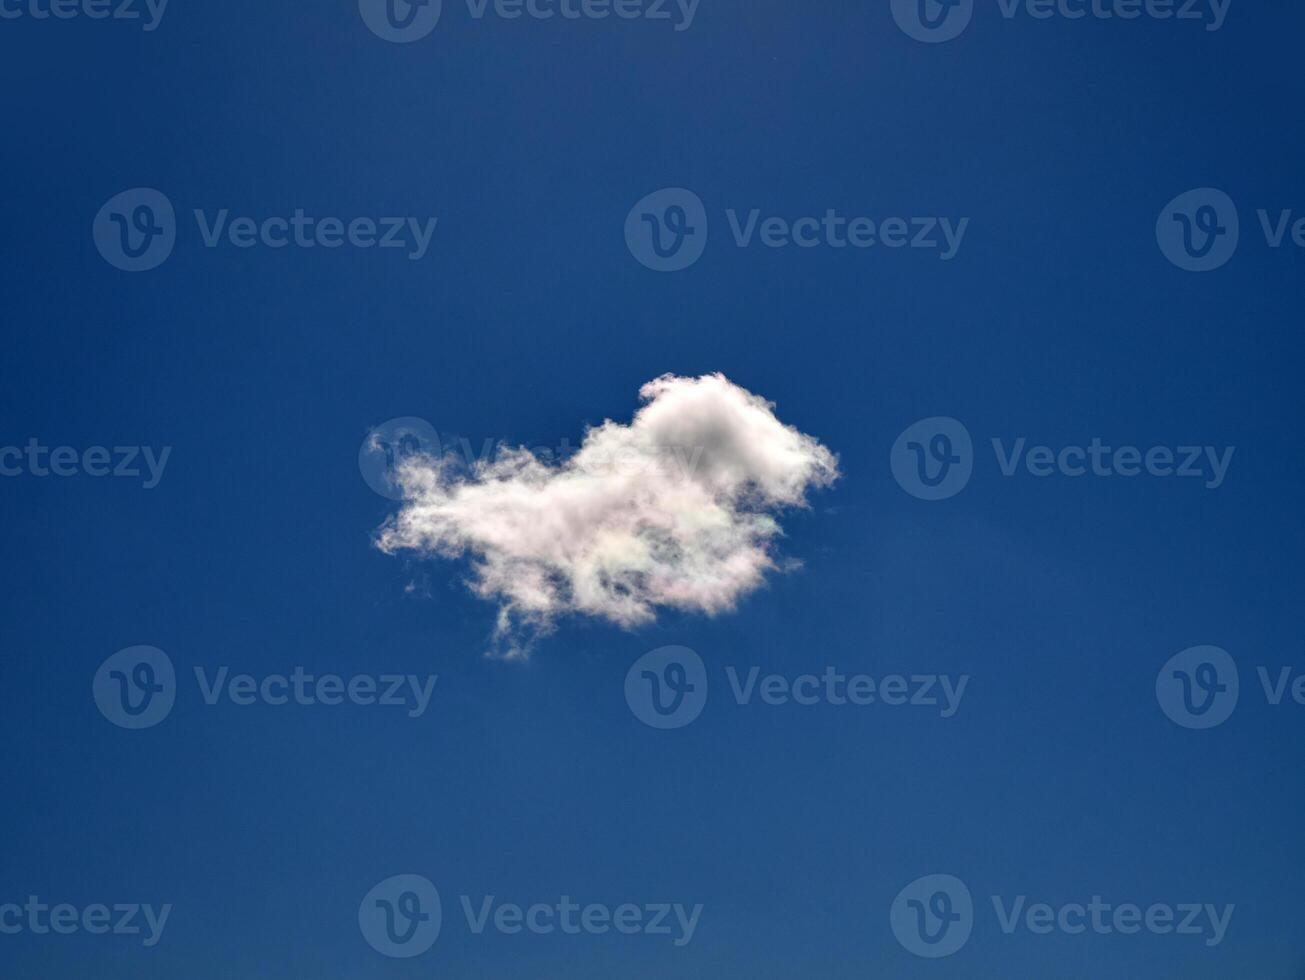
[677, 509]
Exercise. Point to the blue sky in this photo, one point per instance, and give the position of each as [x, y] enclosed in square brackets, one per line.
[1058, 320]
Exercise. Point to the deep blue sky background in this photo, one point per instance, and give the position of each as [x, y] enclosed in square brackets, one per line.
[1059, 321]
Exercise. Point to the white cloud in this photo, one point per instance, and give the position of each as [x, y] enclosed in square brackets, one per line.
[676, 509]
